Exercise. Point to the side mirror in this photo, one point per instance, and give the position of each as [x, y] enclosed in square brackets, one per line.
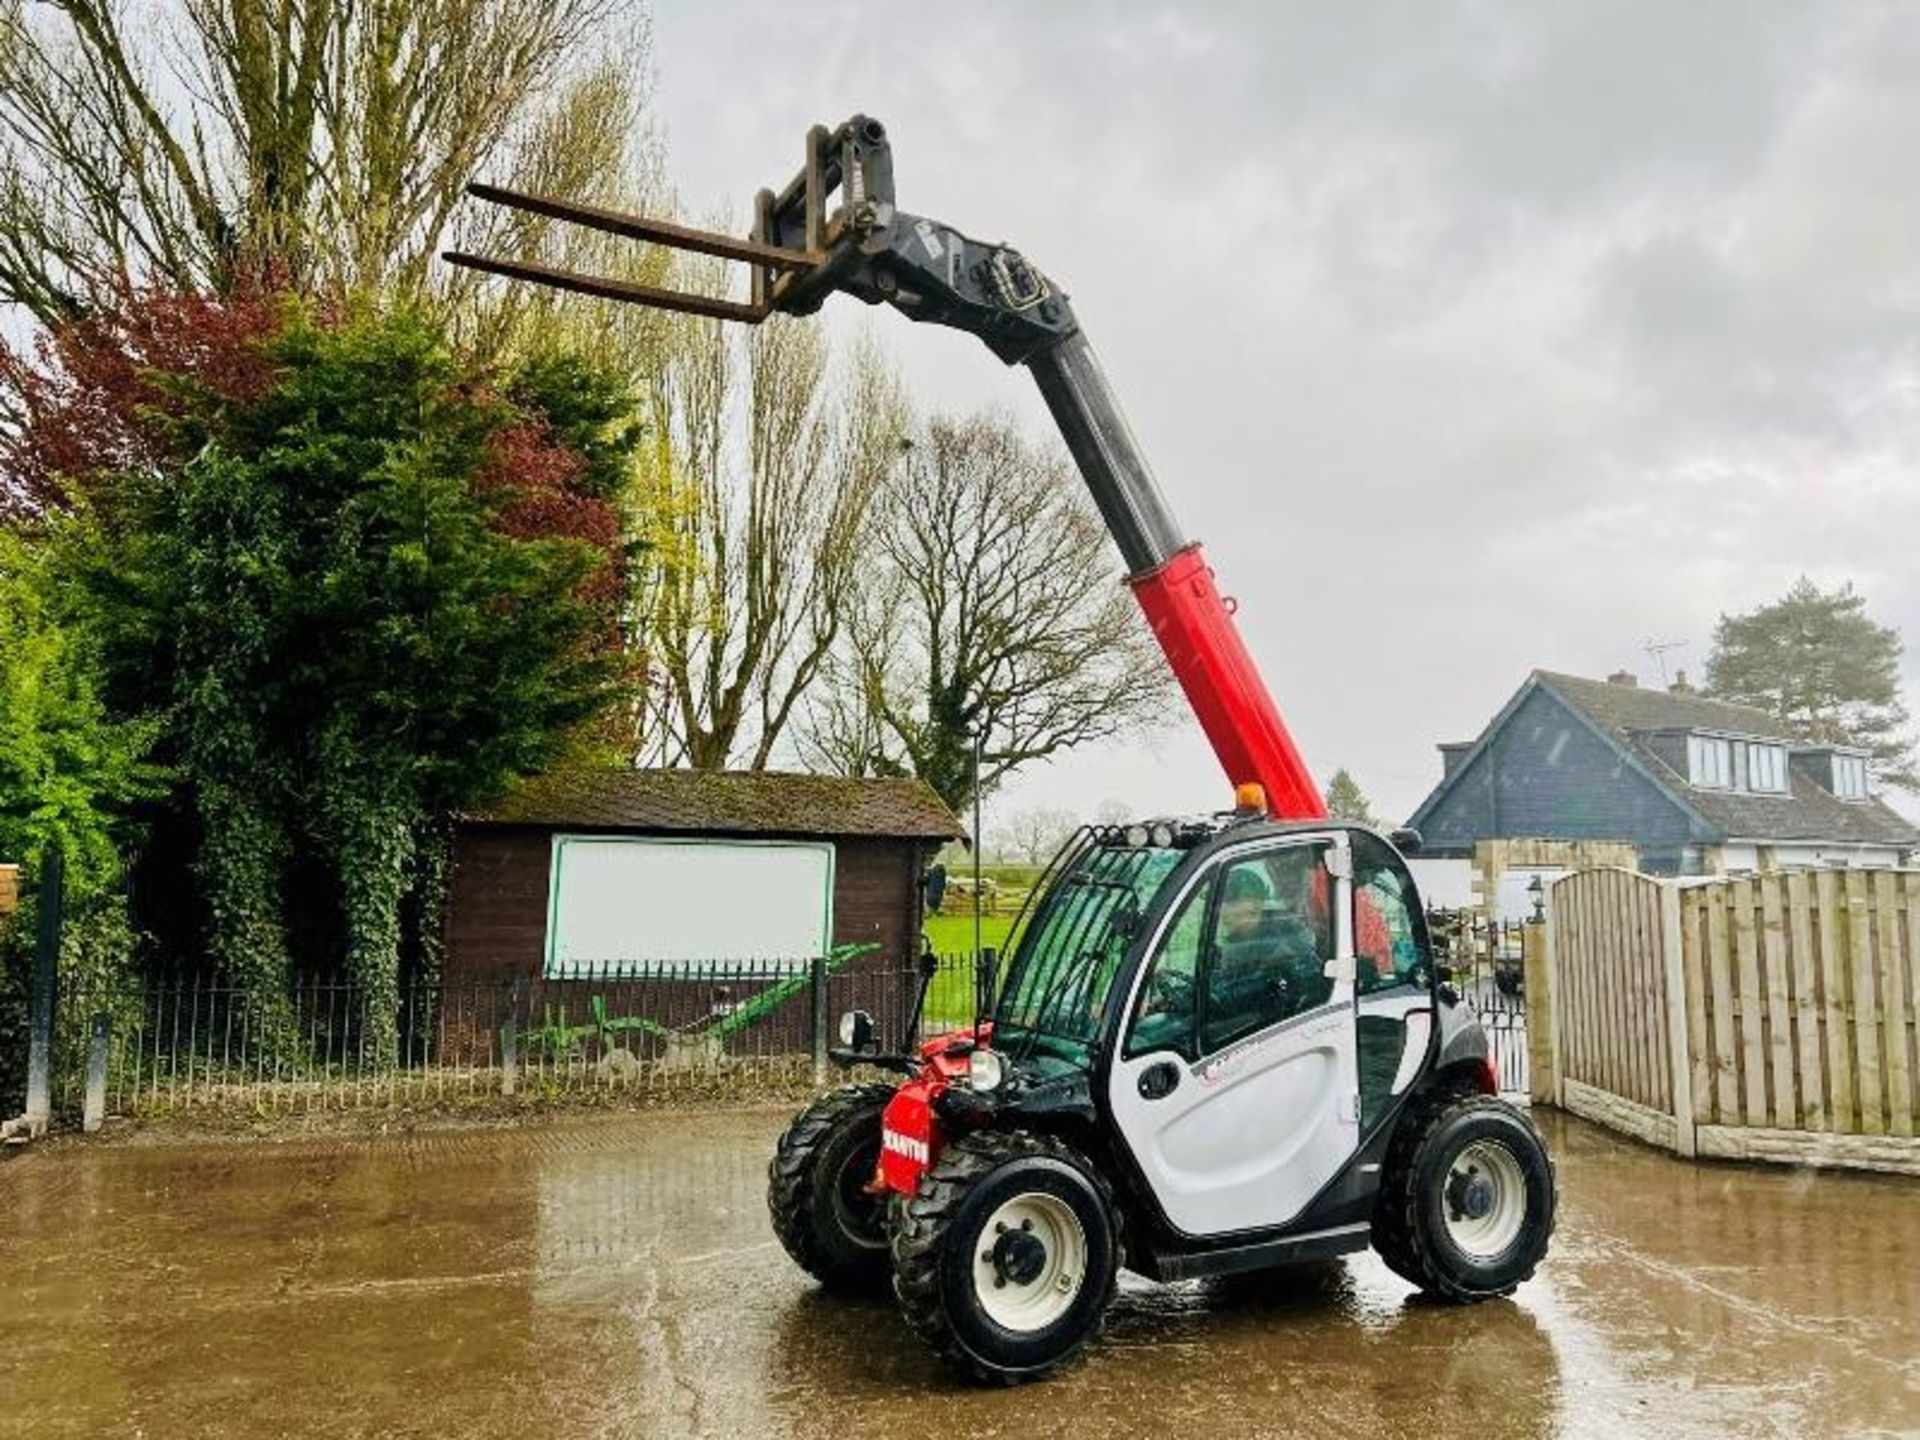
[933, 886]
[856, 1030]
[1406, 840]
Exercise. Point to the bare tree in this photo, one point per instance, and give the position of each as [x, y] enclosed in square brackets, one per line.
[995, 611]
[321, 143]
[1035, 835]
[765, 478]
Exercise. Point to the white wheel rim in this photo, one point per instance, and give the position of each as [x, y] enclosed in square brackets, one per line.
[1485, 1199]
[1014, 1291]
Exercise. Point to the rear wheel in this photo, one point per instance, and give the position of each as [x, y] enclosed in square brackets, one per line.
[1467, 1199]
[830, 1223]
[1007, 1258]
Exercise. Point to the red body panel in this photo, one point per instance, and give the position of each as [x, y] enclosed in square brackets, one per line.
[910, 1137]
[1203, 645]
[908, 1133]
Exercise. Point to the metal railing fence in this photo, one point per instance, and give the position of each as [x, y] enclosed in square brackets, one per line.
[165, 1045]
[172, 1043]
[1487, 961]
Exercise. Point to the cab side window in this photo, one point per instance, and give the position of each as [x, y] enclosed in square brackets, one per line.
[1271, 936]
[1387, 940]
[1163, 1015]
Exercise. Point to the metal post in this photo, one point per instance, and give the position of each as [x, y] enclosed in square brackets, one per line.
[95, 1112]
[979, 743]
[817, 975]
[510, 1043]
[46, 964]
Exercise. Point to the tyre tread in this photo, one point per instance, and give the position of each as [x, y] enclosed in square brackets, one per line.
[1399, 1234]
[924, 1220]
[791, 1177]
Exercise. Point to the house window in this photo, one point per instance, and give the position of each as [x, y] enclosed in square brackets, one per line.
[1709, 764]
[1767, 769]
[1850, 777]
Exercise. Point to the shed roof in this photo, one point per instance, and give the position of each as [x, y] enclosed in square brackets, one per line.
[726, 802]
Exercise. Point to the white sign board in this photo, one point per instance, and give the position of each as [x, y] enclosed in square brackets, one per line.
[615, 903]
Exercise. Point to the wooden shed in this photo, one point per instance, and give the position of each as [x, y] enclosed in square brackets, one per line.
[607, 870]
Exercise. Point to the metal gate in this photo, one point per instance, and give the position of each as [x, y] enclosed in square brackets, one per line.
[1487, 961]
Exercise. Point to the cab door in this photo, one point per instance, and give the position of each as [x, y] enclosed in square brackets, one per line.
[1234, 1083]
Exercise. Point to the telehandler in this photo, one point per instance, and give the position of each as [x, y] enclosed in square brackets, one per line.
[1221, 1043]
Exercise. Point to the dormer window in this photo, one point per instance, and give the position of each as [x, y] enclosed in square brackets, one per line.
[1850, 777]
[1767, 769]
[1716, 762]
[1709, 762]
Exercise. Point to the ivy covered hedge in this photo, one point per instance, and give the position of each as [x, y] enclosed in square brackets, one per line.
[293, 585]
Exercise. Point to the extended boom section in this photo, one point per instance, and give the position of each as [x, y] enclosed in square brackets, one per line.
[835, 227]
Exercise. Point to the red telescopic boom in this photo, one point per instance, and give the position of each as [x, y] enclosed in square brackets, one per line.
[801, 251]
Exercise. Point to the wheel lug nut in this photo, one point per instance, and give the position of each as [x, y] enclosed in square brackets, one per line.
[1026, 1224]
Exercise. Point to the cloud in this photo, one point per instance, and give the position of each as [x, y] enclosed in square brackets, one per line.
[1471, 337]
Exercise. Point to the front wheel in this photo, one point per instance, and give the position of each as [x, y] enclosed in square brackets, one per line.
[1008, 1257]
[1467, 1200]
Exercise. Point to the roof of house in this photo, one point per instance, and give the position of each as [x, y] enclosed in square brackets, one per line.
[1626, 714]
[1622, 708]
[726, 802]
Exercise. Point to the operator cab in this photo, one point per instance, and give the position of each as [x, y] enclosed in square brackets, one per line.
[1246, 1000]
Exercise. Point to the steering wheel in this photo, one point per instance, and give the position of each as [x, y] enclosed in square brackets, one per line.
[1168, 992]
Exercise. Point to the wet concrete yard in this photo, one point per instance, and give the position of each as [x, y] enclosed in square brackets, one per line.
[616, 1276]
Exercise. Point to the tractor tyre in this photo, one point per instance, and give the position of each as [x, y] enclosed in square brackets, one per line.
[1007, 1258]
[829, 1222]
[1467, 1198]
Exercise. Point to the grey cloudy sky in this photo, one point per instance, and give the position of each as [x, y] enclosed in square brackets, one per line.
[1469, 337]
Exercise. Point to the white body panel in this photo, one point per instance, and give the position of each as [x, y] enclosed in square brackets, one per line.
[1251, 1133]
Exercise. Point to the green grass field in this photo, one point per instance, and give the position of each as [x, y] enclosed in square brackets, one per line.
[950, 1001]
[952, 933]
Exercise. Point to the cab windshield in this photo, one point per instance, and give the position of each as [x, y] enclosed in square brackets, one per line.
[1063, 967]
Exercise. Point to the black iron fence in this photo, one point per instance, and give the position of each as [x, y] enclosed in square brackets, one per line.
[1487, 961]
[168, 1045]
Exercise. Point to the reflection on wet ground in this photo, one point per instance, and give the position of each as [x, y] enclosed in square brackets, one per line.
[616, 1276]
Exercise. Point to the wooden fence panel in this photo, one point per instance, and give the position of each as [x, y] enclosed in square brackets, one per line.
[1772, 1017]
[1773, 948]
[1747, 1005]
[1806, 1001]
[1833, 1002]
[1603, 916]
[1649, 935]
[1910, 930]
[1611, 982]
[1866, 1013]
[1896, 1001]
[1718, 960]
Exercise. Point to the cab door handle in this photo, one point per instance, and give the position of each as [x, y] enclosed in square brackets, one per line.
[1159, 1081]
